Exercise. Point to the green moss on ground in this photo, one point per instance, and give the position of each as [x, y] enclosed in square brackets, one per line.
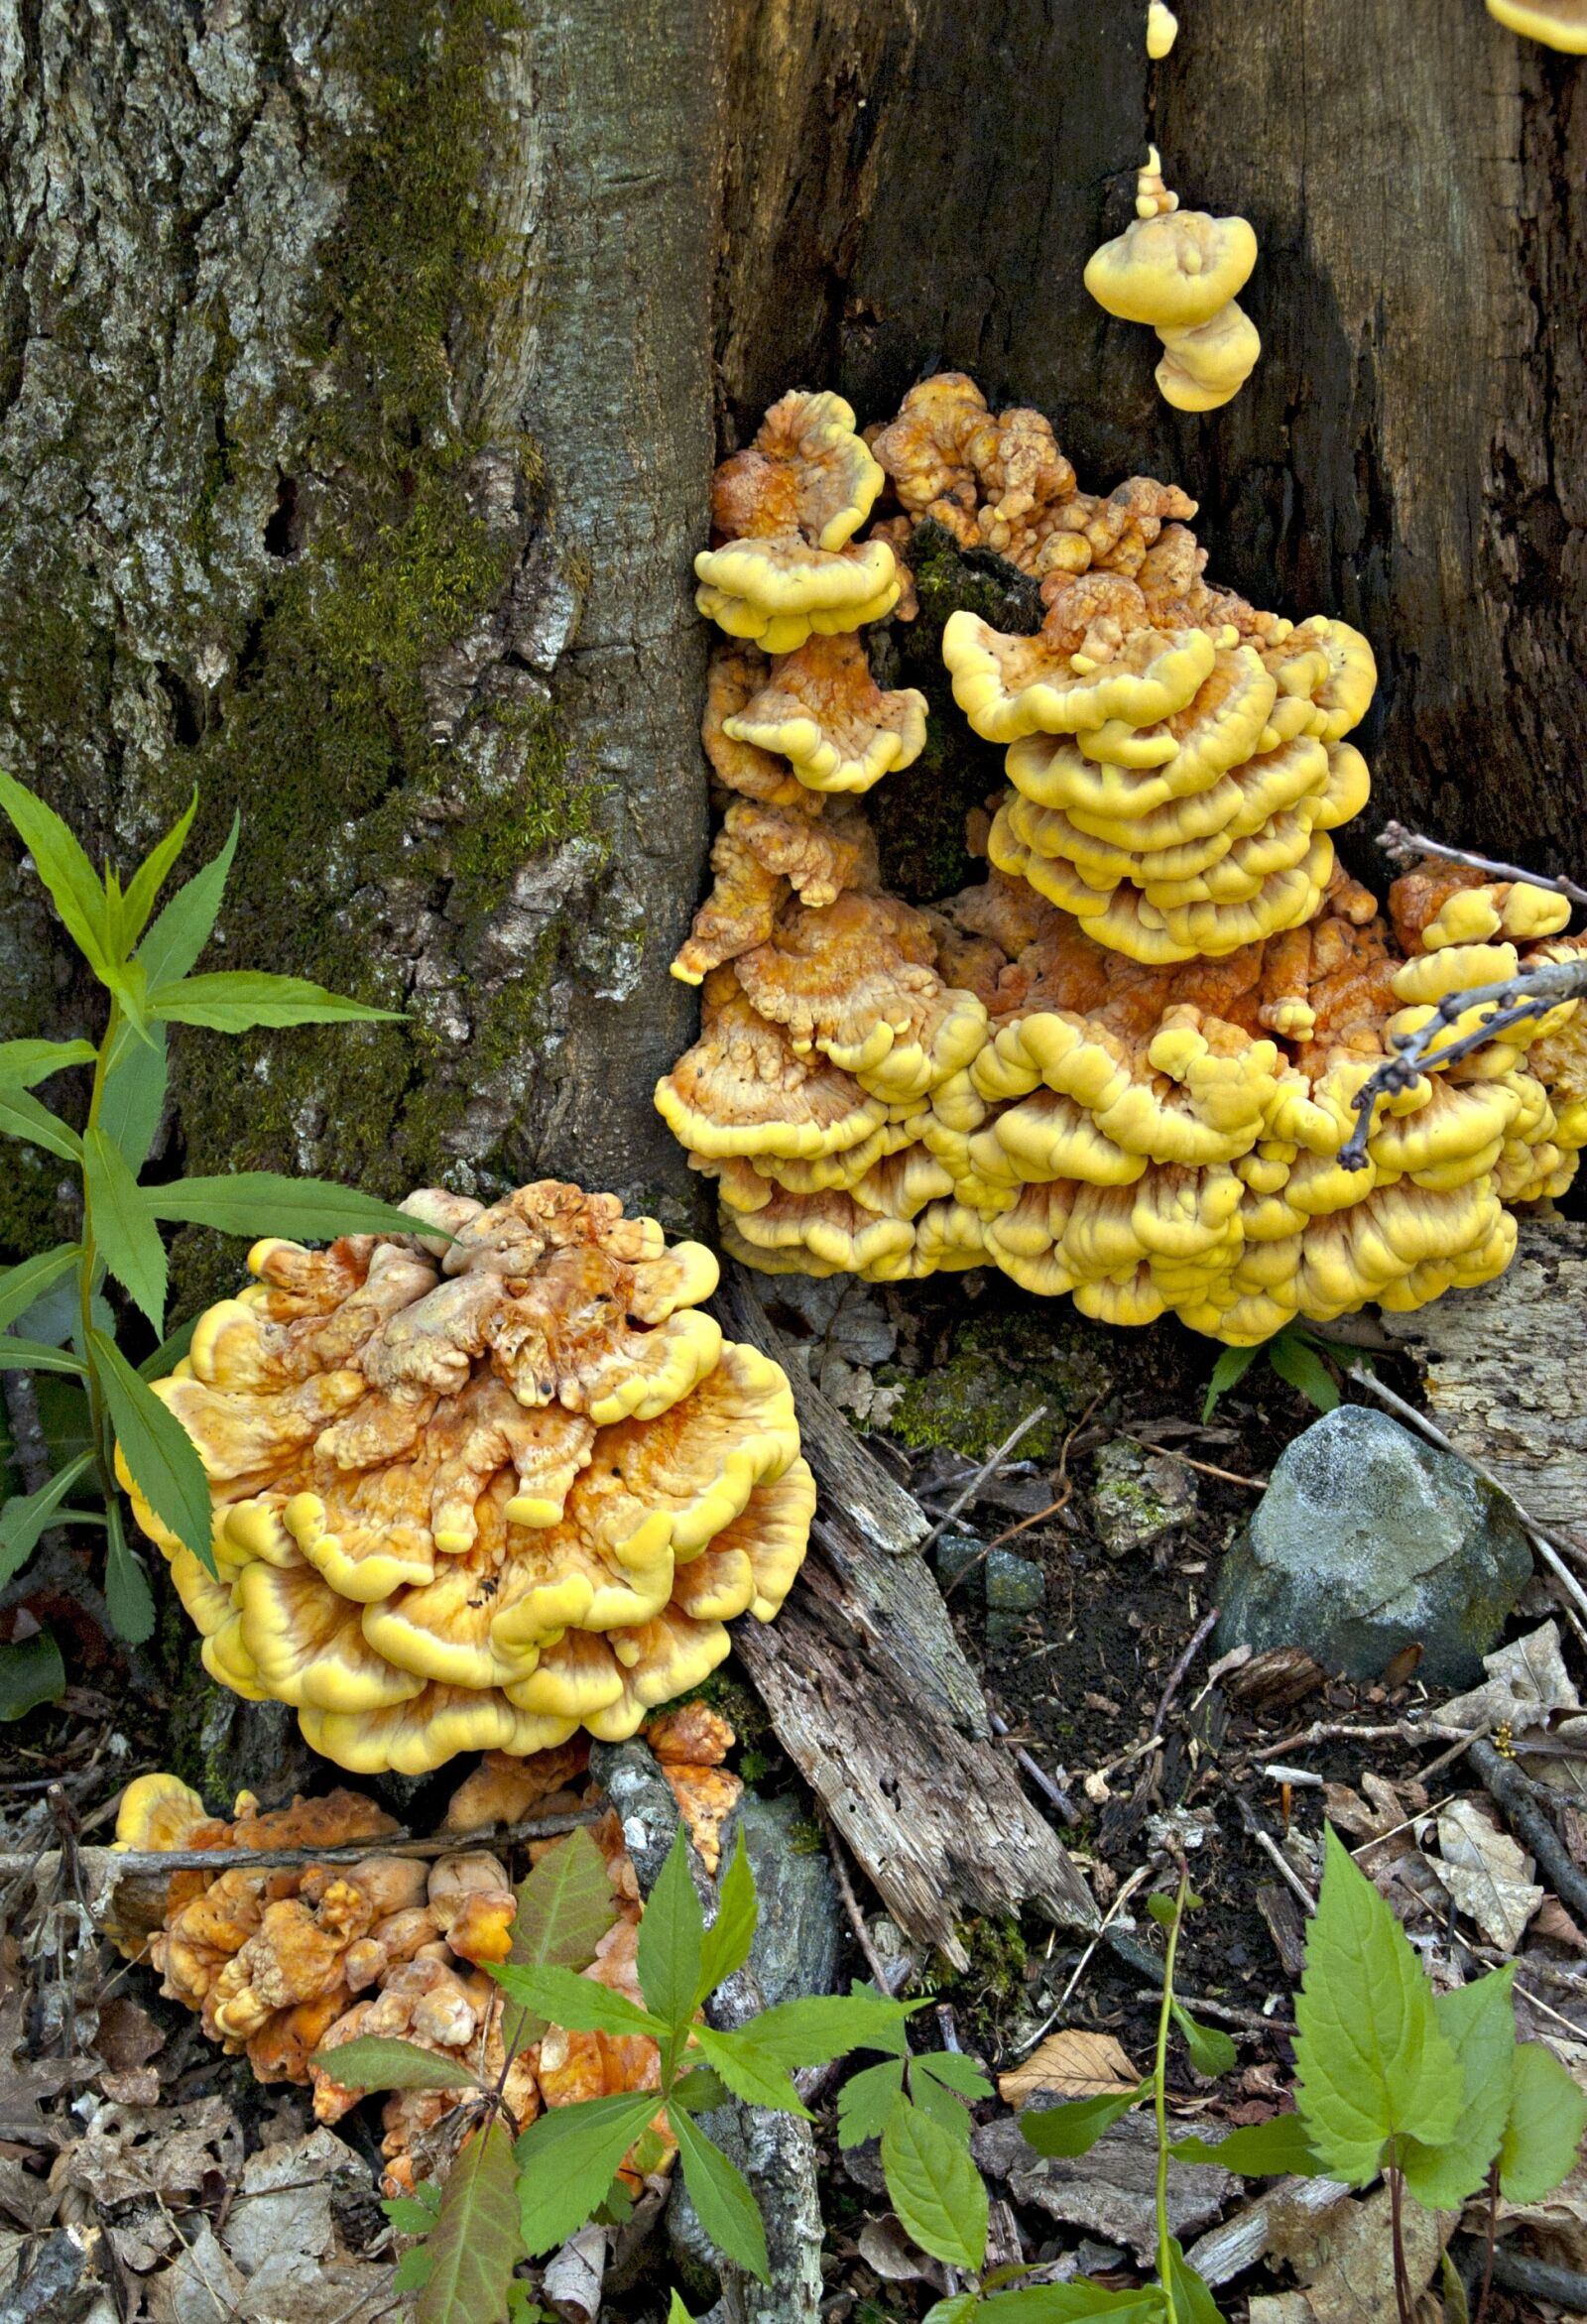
[992, 1369]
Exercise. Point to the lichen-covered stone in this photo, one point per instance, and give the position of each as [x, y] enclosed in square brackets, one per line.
[1140, 1498]
[1368, 1540]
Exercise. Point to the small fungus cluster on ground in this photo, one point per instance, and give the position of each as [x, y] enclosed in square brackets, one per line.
[1125, 1065]
[1182, 271]
[291, 1960]
[479, 1486]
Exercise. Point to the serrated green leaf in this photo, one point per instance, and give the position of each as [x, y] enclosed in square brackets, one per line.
[957, 2308]
[159, 1454]
[1270, 2150]
[1543, 2130]
[577, 2003]
[1230, 1369]
[1478, 2022]
[170, 1352]
[184, 928]
[22, 1116]
[236, 1000]
[151, 874]
[265, 1202]
[1075, 2302]
[413, 2270]
[935, 2187]
[727, 1941]
[379, 2061]
[1193, 2302]
[408, 2215]
[37, 1355]
[727, 2210]
[945, 2108]
[566, 2161]
[1076, 2126]
[749, 2072]
[700, 2091]
[671, 1940]
[22, 1285]
[23, 1063]
[474, 2244]
[866, 2099]
[134, 1096]
[954, 2071]
[1304, 1369]
[78, 893]
[27, 1515]
[1373, 2063]
[819, 2028]
[128, 1597]
[1211, 2053]
[31, 1672]
[124, 1230]
[565, 1909]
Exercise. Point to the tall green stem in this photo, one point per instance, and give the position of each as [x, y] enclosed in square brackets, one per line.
[99, 1419]
[1159, 2098]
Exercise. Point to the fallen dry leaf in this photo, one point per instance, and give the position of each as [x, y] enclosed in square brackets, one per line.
[1558, 2221]
[1554, 1923]
[1526, 1682]
[1486, 1872]
[1071, 2064]
[1345, 2259]
[886, 2247]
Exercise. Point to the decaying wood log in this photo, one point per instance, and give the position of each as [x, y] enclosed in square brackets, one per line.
[1503, 1370]
[871, 1698]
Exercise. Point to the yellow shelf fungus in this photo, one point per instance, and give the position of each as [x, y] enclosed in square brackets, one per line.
[1125, 1067]
[457, 1483]
[1559, 24]
[1162, 30]
[1181, 272]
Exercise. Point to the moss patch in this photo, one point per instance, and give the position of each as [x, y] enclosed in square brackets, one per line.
[991, 1369]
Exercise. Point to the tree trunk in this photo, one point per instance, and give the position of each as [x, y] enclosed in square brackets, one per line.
[355, 431]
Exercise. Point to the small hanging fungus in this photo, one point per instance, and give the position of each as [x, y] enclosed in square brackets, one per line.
[458, 1483]
[1162, 30]
[1182, 271]
[1559, 24]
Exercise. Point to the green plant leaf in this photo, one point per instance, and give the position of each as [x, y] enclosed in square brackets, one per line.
[151, 874]
[1478, 2022]
[379, 2061]
[235, 1000]
[671, 1940]
[22, 1285]
[412, 2268]
[22, 1116]
[157, 1451]
[727, 2210]
[566, 2161]
[415, 2213]
[699, 2092]
[1543, 2131]
[945, 2107]
[36, 1355]
[124, 1229]
[1304, 1369]
[1211, 2053]
[1230, 1369]
[1076, 2126]
[1193, 2302]
[127, 1593]
[133, 1096]
[935, 2187]
[1261, 2150]
[170, 1352]
[726, 1944]
[1372, 2063]
[576, 2002]
[817, 2028]
[1164, 1910]
[28, 1515]
[1075, 2302]
[748, 2072]
[676, 2313]
[957, 2308]
[184, 928]
[263, 1202]
[24, 1062]
[474, 2244]
[954, 2071]
[866, 2099]
[31, 1672]
[565, 1909]
[78, 893]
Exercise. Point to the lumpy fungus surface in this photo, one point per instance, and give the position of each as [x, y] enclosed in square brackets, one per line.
[1125, 1066]
[480, 1486]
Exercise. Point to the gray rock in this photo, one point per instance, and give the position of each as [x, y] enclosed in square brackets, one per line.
[1013, 1584]
[800, 1932]
[1111, 2191]
[1368, 1540]
[1140, 1498]
[955, 1554]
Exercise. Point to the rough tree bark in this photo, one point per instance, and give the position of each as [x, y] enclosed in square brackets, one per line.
[356, 372]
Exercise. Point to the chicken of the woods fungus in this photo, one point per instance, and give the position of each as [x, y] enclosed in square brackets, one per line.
[1162, 30]
[479, 1486]
[297, 1959]
[1125, 1066]
[1182, 271]
[1559, 24]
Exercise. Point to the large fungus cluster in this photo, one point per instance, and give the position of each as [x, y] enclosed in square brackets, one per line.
[1126, 1067]
[479, 1486]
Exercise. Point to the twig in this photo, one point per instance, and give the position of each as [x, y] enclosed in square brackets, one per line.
[1276, 1858]
[1203, 1468]
[1551, 1547]
[1136, 1957]
[989, 1468]
[1343, 1731]
[1508, 1788]
[1536, 2279]
[1510, 1001]
[1405, 846]
[1198, 1639]
[1043, 1782]
[1053, 1509]
[128, 1863]
[1142, 1871]
[851, 1905]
